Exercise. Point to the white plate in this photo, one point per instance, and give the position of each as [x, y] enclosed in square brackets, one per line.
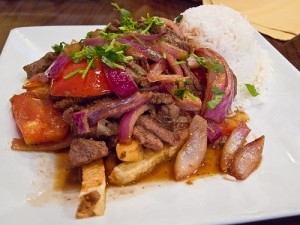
[272, 191]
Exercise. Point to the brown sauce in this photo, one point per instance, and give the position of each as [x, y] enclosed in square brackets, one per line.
[70, 180]
[210, 166]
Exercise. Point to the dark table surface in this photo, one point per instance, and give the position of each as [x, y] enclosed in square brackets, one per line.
[14, 13]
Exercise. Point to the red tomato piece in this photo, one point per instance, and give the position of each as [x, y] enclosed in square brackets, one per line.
[37, 119]
[94, 84]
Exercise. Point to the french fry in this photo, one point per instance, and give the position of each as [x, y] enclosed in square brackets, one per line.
[92, 194]
[129, 152]
[129, 172]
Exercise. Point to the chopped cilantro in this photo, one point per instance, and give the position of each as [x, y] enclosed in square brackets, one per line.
[180, 92]
[150, 21]
[209, 64]
[251, 89]
[219, 94]
[178, 18]
[127, 22]
[179, 62]
[59, 48]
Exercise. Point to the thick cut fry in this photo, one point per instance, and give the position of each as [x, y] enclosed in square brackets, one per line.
[129, 152]
[129, 172]
[247, 159]
[191, 155]
[92, 194]
[235, 140]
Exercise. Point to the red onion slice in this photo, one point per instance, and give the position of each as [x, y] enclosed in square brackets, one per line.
[173, 50]
[127, 122]
[213, 131]
[80, 122]
[119, 81]
[227, 85]
[118, 108]
[61, 61]
[148, 51]
[173, 64]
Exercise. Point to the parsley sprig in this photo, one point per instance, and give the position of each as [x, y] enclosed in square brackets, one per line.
[59, 48]
[251, 89]
[209, 64]
[219, 94]
[183, 91]
[150, 21]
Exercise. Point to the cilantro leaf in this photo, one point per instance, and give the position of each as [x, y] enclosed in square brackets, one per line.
[178, 18]
[180, 92]
[151, 21]
[209, 64]
[251, 89]
[127, 22]
[59, 48]
[219, 94]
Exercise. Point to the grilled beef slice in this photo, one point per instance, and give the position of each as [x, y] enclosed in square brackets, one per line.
[84, 151]
[152, 126]
[146, 138]
[40, 65]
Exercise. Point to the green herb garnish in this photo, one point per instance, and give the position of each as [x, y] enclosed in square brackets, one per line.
[219, 94]
[251, 89]
[178, 18]
[209, 64]
[150, 21]
[127, 22]
[183, 91]
[180, 92]
[59, 48]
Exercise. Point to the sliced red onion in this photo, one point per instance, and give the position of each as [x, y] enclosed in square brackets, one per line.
[155, 74]
[178, 53]
[227, 85]
[127, 122]
[118, 108]
[173, 64]
[57, 65]
[94, 41]
[119, 81]
[213, 131]
[80, 122]
[148, 51]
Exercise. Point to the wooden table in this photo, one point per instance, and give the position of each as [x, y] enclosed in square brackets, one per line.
[14, 13]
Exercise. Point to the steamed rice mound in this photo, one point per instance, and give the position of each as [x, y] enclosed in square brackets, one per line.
[230, 34]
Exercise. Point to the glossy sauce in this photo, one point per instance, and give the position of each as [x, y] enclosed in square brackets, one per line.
[210, 166]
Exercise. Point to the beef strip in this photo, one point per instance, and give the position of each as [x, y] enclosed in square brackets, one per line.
[40, 65]
[84, 151]
[152, 126]
[171, 37]
[68, 102]
[146, 138]
[165, 115]
[161, 98]
[194, 86]
[138, 79]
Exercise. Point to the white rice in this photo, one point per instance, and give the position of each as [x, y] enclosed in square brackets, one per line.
[230, 34]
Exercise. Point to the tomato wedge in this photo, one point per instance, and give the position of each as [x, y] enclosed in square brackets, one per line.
[94, 83]
[37, 119]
